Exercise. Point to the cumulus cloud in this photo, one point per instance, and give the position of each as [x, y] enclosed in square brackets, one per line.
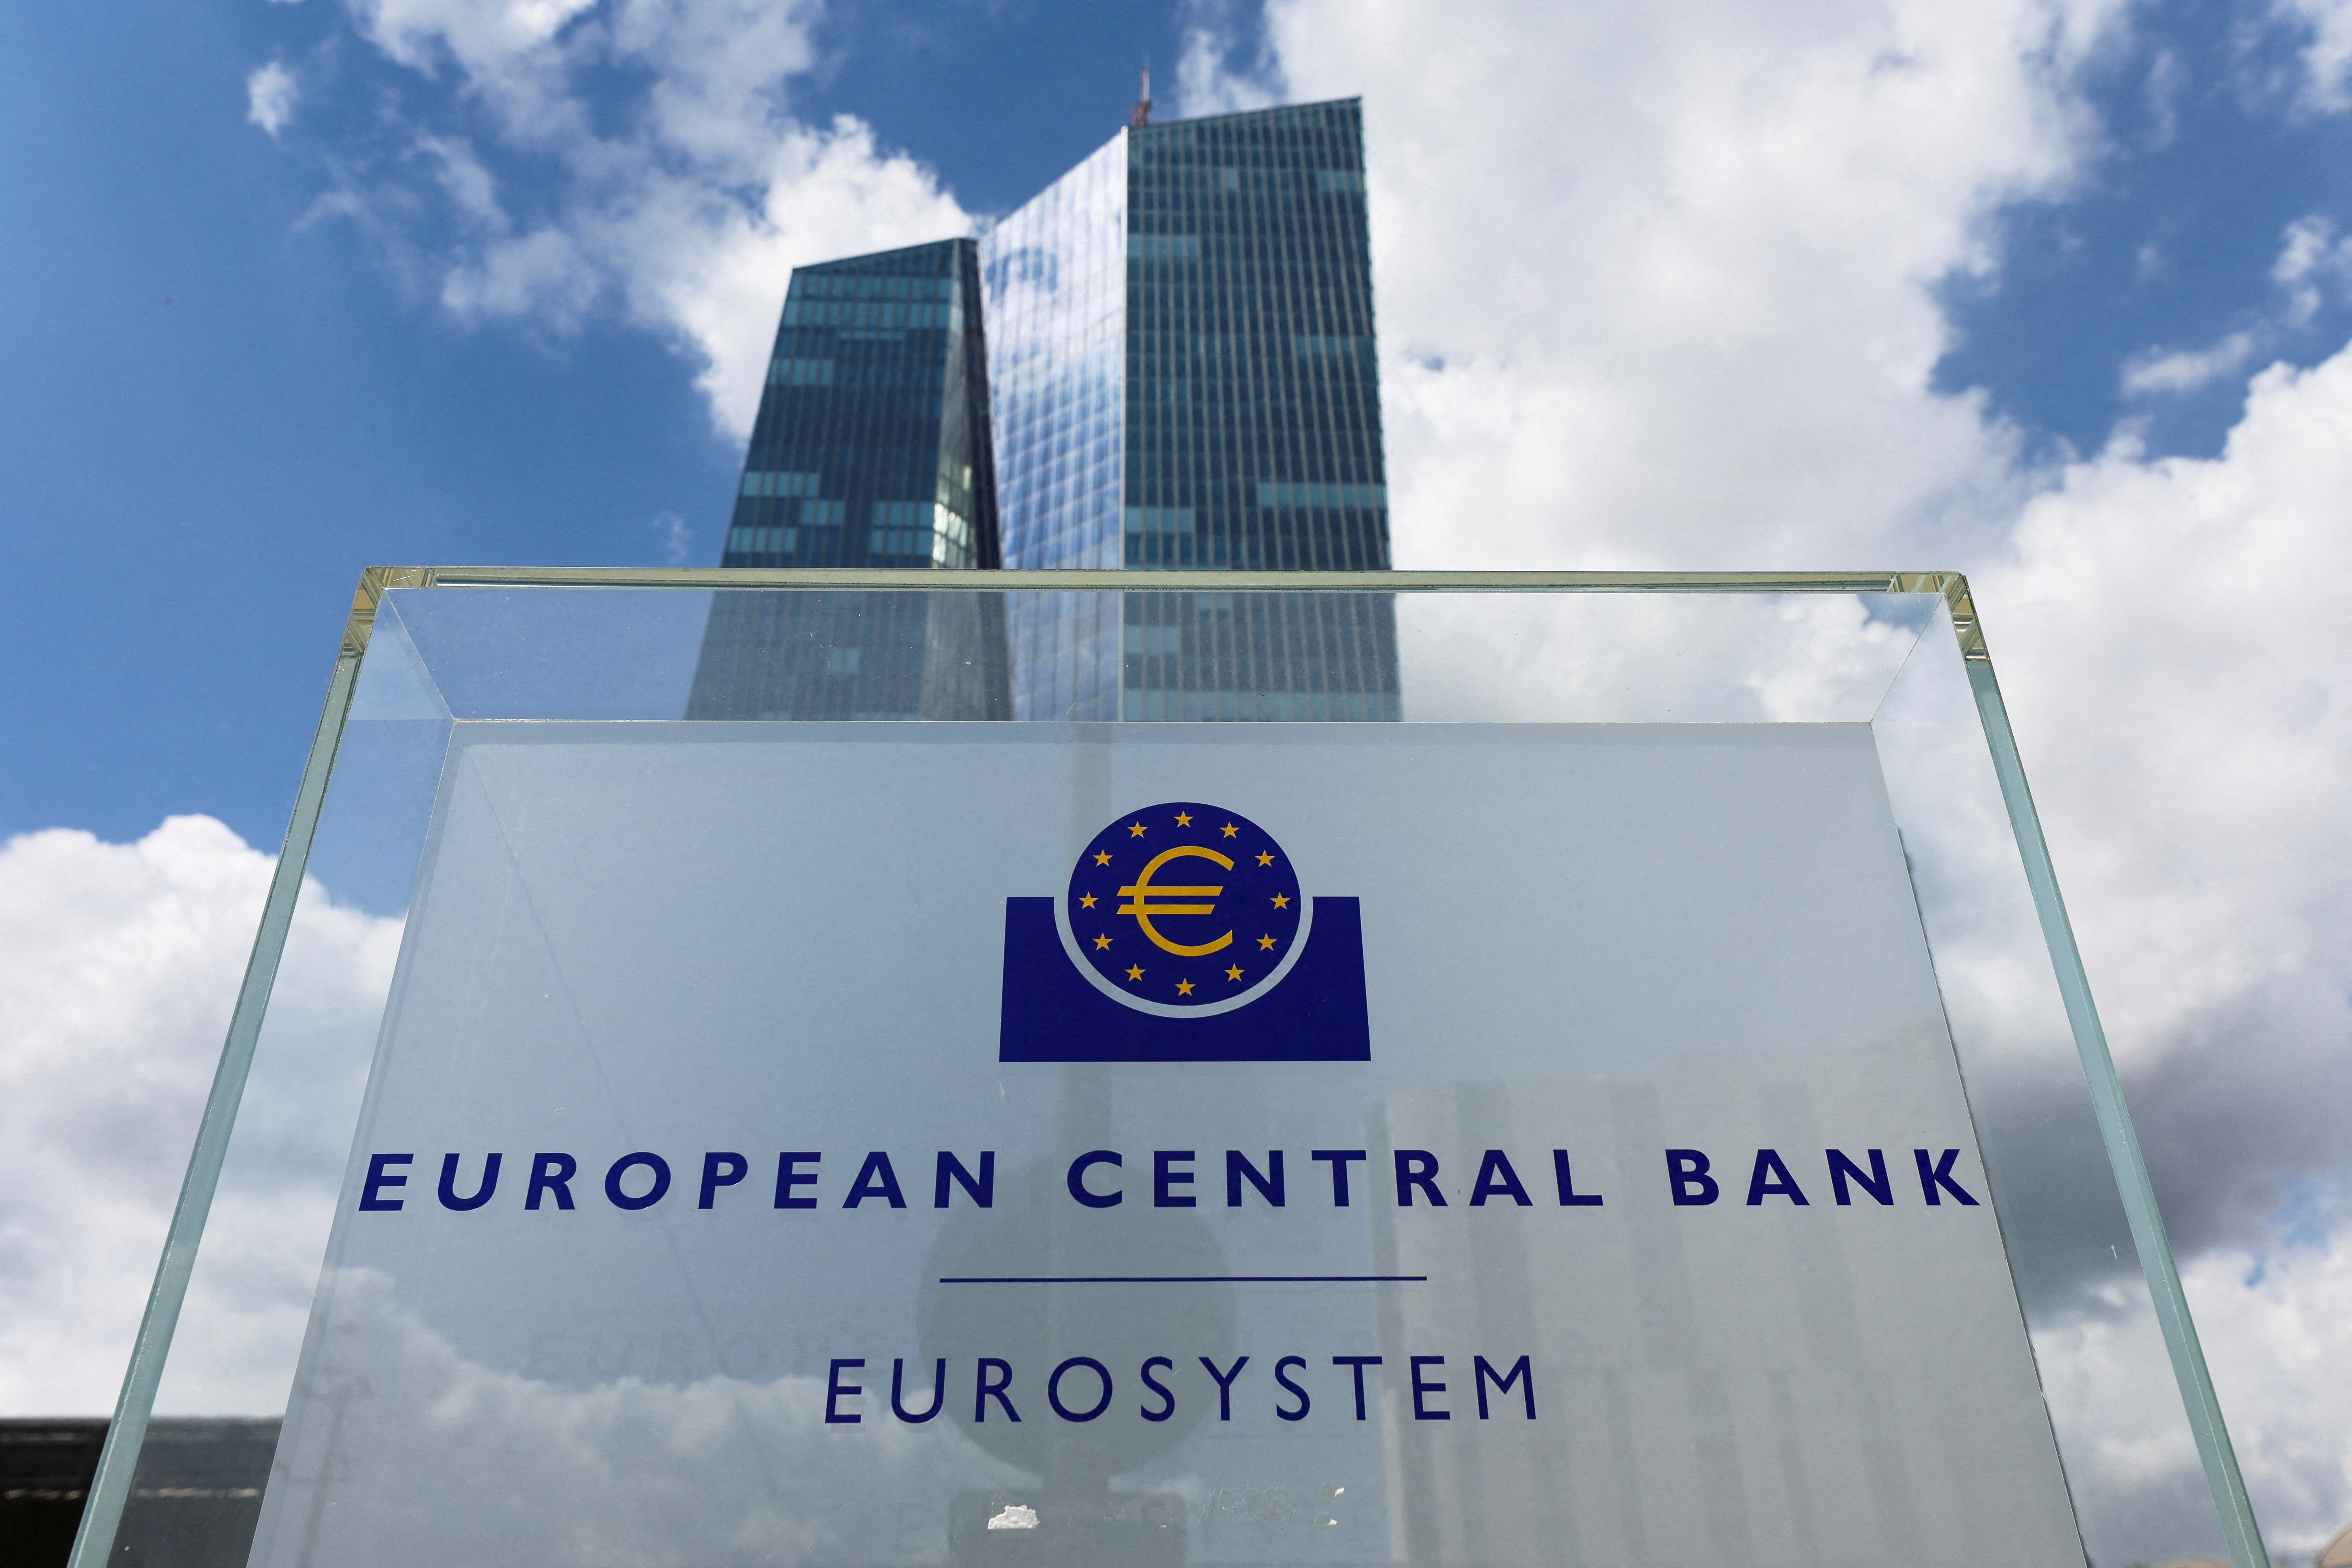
[2311, 263]
[450, 1460]
[269, 95]
[2326, 52]
[2189, 758]
[119, 963]
[1210, 78]
[2274, 1318]
[2186, 370]
[2171, 656]
[479, 37]
[2271, 1316]
[683, 206]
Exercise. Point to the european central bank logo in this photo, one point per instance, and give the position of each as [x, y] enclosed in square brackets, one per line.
[1183, 936]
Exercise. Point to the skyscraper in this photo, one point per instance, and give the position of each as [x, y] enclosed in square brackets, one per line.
[1181, 373]
[871, 449]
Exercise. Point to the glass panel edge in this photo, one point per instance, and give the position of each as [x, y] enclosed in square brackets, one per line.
[2214, 1449]
[1146, 580]
[126, 1433]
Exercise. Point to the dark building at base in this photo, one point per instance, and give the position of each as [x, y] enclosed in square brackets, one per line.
[195, 1498]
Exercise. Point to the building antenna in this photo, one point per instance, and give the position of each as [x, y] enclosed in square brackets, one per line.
[1142, 115]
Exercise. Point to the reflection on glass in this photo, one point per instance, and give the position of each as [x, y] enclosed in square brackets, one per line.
[1055, 273]
[768, 655]
[1250, 656]
[1183, 370]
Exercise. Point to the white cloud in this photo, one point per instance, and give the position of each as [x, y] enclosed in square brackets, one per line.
[2166, 79]
[2171, 654]
[270, 94]
[2327, 54]
[451, 1460]
[479, 35]
[2272, 1322]
[714, 271]
[2186, 370]
[469, 186]
[2310, 257]
[687, 203]
[543, 274]
[1208, 80]
[2174, 653]
[2311, 261]
[119, 963]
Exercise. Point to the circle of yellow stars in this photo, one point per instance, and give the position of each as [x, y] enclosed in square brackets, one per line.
[1186, 987]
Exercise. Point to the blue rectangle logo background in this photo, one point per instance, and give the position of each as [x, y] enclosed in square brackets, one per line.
[1052, 1013]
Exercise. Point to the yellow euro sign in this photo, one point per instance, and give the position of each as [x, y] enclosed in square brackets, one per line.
[1143, 907]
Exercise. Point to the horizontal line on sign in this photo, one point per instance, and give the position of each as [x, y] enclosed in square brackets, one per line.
[1185, 1280]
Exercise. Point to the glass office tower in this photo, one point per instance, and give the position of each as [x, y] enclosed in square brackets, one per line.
[1182, 373]
[872, 447]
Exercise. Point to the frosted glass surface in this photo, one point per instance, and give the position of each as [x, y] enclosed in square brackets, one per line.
[716, 945]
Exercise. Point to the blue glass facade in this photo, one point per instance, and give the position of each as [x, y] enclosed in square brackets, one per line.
[1055, 275]
[1253, 420]
[872, 447]
[1185, 322]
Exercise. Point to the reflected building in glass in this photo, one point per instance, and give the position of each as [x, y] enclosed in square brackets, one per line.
[872, 447]
[1182, 373]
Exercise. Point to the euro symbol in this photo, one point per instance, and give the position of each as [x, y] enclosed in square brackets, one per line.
[1143, 907]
